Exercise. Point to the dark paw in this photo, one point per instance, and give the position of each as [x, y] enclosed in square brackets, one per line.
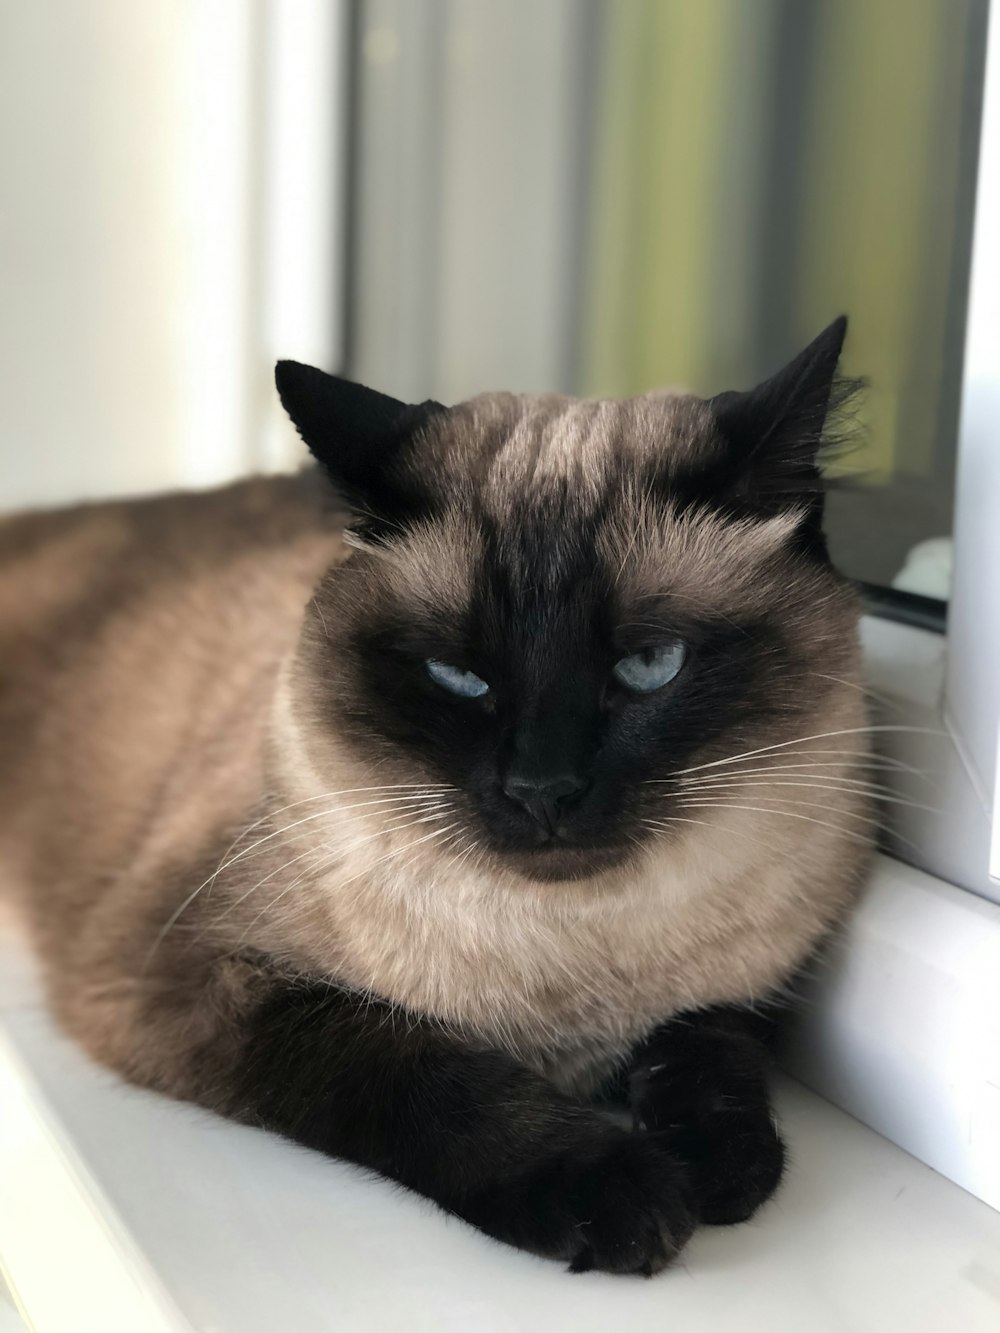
[622, 1209]
[727, 1142]
[735, 1163]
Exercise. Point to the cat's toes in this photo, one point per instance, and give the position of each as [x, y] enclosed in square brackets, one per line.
[623, 1210]
[633, 1214]
[734, 1161]
[723, 1134]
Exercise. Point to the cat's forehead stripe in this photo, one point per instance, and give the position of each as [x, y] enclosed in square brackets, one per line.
[550, 442]
[548, 489]
[543, 445]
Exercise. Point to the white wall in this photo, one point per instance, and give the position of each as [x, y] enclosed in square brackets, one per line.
[149, 275]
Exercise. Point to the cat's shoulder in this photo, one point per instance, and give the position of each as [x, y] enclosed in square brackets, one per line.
[53, 550]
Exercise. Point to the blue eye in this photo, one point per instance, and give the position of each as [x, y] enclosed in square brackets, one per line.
[649, 670]
[465, 683]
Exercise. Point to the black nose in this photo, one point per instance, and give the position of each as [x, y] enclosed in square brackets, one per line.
[545, 798]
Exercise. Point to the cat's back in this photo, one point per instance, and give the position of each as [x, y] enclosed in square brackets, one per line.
[138, 646]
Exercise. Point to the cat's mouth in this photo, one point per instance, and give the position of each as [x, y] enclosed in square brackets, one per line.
[573, 847]
[553, 861]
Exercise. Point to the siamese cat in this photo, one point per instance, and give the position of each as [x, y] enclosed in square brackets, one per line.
[512, 757]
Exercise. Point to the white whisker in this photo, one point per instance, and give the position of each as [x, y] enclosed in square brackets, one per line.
[763, 810]
[861, 688]
[801, 740]
[703, 823]
[793, 800]
[428, 787]
[841, 769]
[323, 814]
[417, 800]
[336, 851]
[333, 856]
[875, 792]
[435, 833]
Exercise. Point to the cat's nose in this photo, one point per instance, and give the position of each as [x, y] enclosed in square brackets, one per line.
[545, 798]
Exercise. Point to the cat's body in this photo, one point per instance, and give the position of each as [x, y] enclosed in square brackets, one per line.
[141, 644]
[251, 887]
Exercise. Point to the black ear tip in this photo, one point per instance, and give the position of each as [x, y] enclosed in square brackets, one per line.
[834, 334]
[289, 373]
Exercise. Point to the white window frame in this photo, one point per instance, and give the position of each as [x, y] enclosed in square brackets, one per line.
[951, 685]
[972, 686]
[901, 1024]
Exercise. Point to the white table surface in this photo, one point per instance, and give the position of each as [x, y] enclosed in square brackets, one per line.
[123, 1210]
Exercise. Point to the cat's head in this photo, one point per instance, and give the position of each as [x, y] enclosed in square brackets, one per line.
[558, 607]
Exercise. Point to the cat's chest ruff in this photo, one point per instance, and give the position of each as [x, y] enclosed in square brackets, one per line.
[565, 993]
[569, 977]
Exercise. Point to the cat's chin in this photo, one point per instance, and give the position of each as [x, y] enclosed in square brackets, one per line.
[554, 864]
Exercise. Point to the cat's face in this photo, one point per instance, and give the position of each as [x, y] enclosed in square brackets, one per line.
[557, 607]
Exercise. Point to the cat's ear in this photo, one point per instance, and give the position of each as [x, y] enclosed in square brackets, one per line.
[772, 435]
[355, 433]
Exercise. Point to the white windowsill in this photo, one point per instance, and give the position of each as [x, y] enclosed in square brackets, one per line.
[125, 1211]
[946, 831]
[900, 1023]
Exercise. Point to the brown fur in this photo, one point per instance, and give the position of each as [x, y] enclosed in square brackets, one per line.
[140, 645]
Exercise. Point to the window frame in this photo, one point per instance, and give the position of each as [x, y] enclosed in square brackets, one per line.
[900, 1023]
[947, 687]
[972, 682]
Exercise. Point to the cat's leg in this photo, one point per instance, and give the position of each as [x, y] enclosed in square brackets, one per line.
[486, 1138]
[472, 1129]
[701, 1081]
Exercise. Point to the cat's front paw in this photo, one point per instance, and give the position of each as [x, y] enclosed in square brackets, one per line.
[622, 1208]
[735, 1163]
[732, 1154]
[702, 1084]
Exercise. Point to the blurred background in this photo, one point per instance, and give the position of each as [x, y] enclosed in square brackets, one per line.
[443, 196]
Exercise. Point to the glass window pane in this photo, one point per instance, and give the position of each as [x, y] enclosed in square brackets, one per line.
[755, 169]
